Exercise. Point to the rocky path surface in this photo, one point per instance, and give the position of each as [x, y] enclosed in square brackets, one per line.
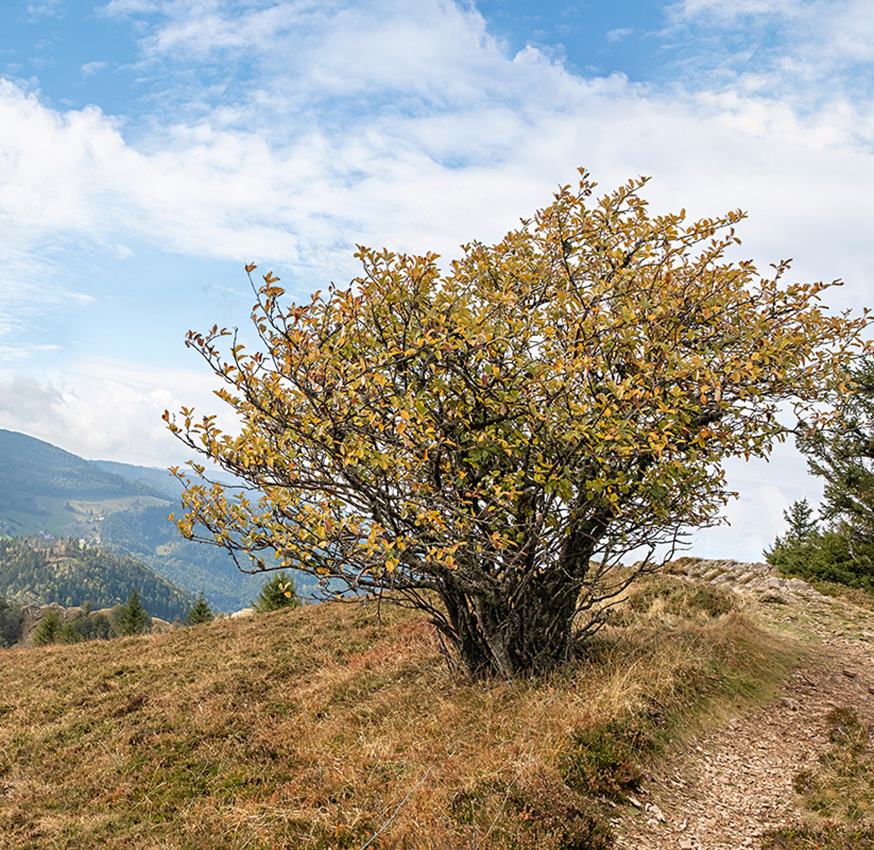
[729, 787]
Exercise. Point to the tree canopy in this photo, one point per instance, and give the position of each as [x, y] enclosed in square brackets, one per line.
[843, 456]
[488, 443]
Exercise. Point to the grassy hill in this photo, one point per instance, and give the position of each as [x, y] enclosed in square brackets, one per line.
[325, 726]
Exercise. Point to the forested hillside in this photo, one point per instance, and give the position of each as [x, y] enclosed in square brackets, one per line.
[145, 534]
[38, 572]
[115, 506]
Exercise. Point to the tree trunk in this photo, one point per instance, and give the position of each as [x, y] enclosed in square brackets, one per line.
[529, 633]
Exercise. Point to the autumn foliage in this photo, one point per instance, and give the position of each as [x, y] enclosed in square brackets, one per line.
[488, 443]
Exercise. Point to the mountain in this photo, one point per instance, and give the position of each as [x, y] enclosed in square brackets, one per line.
[159, 480]
[145, 534]
[118, 506]
[46, 489]
[39, 572]
[32, 468]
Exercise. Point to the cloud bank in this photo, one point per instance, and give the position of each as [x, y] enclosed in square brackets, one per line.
[286, 132]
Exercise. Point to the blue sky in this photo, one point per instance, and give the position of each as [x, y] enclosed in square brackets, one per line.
[150, 148]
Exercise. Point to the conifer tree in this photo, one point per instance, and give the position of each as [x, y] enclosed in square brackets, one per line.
[279, 591]
[843, 456]
[49, 630]
[133, 619]
[199, 613]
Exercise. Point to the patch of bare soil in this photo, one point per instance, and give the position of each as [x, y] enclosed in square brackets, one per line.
[726, 789]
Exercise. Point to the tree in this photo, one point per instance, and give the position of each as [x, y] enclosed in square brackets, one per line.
[278, 592]
[487, 444]
[132, 618]
[200, 613]
[803, 529]
[49, 630]
[11, 621]
[843, 455]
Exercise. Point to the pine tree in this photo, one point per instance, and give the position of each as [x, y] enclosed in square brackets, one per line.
[199, 613]
[803, 528]
[279, 591]
[49, 630]
[843, 456]
[133, 619]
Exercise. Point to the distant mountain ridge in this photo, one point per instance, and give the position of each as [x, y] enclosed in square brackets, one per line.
[161, 481]
[118, 506]
[32, 467]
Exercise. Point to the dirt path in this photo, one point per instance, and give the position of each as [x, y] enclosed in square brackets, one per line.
[732, 785]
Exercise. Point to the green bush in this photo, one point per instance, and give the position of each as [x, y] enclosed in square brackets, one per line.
[682, 598]
[11, 621]
[608, 760]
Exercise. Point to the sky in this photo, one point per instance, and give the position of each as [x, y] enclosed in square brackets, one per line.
[149, 149]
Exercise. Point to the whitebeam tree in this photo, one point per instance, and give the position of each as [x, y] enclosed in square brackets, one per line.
[486, 444]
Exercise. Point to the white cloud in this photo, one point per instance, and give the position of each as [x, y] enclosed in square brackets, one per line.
[810, 52]
[106, 410]
[52, 165]
[90, 68]
[47, 9]
[721, 10]
[617, 35]
[308, 159]
[408, 125]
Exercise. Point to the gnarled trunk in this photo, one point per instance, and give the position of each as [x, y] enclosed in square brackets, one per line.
[530, 632]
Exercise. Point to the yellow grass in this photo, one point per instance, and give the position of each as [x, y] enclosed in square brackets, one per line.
[319, 727]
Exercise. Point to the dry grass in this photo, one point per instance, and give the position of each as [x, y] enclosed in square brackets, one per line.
[318, 727]
[839, 792]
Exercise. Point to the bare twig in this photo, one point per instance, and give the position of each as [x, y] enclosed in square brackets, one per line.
[477, 841]
[394, 813]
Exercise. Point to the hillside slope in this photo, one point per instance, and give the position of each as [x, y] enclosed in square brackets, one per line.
[146, 535]
[44, 488]
[118, 506]
[38, 572]
[328, 725]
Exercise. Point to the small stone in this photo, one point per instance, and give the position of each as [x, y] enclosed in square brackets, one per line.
[850, 674]
[634, 802]
[656, 812]
[790, 703]
[686, 844]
